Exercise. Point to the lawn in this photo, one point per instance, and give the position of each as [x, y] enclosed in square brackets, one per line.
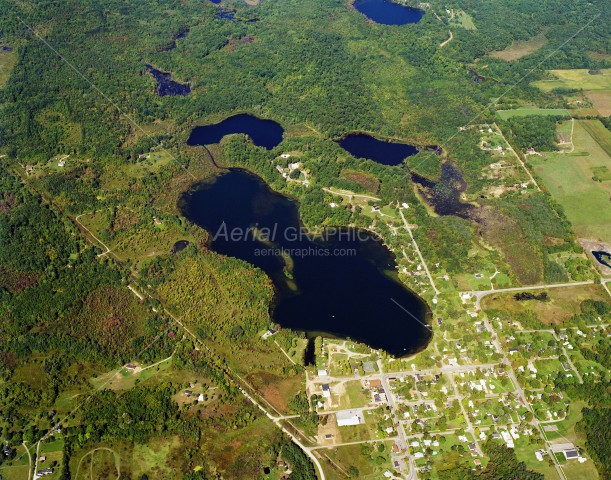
[354, 396]
[568, 177]
[525, 111]
[577, 79]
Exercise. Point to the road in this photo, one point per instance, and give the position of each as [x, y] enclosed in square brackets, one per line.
[469, 428]
[445, 42]
[30, 459]
[521, 395]
[275, 419]
[510, 148]
[402, 440]
[426, 268]
[343, 193]
[76, 219]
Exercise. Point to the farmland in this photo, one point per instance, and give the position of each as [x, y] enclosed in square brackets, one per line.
[568, 177]
[576, 79]
[523, 112]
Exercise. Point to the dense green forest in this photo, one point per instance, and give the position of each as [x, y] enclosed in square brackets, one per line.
[80, 88]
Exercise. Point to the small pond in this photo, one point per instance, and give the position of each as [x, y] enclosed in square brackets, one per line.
[263, 133]
[388, 12]
[361, 145]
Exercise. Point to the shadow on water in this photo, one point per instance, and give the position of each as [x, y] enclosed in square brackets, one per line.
[344, 285]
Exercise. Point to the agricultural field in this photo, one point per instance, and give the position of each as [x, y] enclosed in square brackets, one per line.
[579, 79]
[569, 177]
[523, 112]
[521, 48]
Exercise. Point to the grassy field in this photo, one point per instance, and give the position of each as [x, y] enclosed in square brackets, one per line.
[523, 112]
[336, 461]
[563, 303]
[578, 79]
[521, 48]
[460, 18]
[568, 177]
[599, 133]
[601, 101]
[7, 62]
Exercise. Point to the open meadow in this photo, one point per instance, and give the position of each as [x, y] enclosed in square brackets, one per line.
[569, 178]
[579, 78]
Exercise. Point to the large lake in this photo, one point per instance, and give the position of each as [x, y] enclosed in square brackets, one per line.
[344, 286]
[361, 145]
[263, 133]
[387, 12]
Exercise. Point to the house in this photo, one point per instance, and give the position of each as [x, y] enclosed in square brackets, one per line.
[348, 418]
[395, 448]
[326, 391]
[538, 454]
[43, 458]
[200, 398]
[61, 163]
[188, 393]
[130, 366]
[45, 471]
[477, 462]
[328, 436]
[322, 373]
[387, 474]
[375, 383]
[570, 453]
[565, 366]
[512, 351]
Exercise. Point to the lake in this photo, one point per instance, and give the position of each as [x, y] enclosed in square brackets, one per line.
[166, 86]
[387, 12]
[344, 285]
[263, 133]
[361, 145]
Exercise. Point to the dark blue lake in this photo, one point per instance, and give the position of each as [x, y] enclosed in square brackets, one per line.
[387, 12]
[263, 133]
[344, 285]
[165, 85]
[381, 151]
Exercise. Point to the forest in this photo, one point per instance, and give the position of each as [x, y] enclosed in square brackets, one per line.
[80, 88]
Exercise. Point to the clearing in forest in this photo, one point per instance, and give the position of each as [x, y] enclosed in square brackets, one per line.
[521, 48]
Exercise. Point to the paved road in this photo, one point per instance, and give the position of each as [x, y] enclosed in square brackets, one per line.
[521, 395]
